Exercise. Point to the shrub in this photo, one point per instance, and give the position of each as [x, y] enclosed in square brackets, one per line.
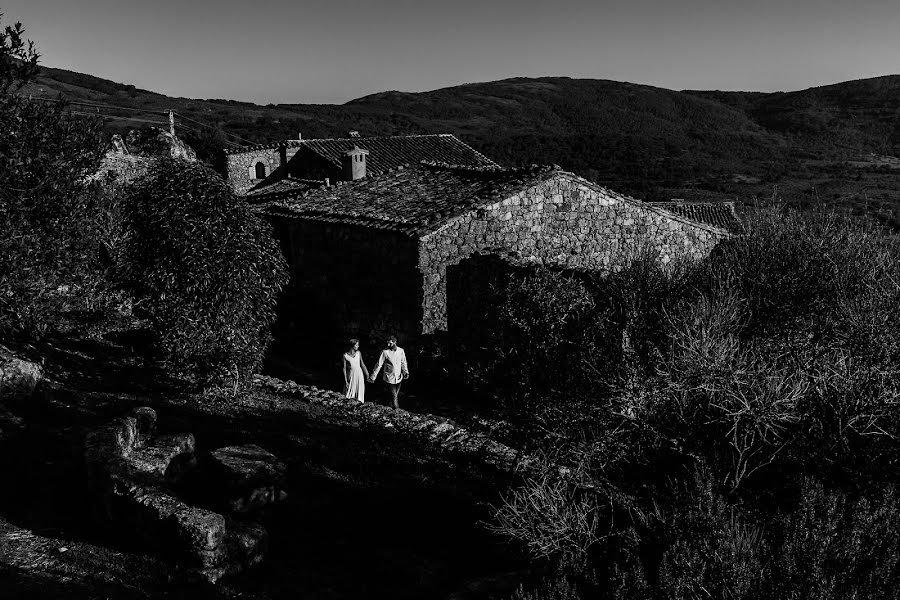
[48, 250]
[834, 548]
[807, 277]
[540, 349]
[558, 588]
[551, 517]
[205, 269]
[714, 553]
[789, 344]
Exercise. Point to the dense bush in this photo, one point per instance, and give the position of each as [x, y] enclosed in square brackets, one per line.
[204, 268]
[772, 360]
[561, 352]
[558, 588]
[48, 250]
[833, 547]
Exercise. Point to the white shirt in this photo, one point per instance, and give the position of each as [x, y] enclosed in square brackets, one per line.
[394, 361]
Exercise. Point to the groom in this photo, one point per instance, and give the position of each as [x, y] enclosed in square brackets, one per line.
[393, 359]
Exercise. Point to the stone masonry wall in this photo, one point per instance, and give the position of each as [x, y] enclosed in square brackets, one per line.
[347, 281]
[122, 169]
[563, 221]
[239, 167]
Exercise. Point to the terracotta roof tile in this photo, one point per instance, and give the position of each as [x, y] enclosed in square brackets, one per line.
[389, 152]
[414, 199]
[717, 214]
[281, 188]
[421, 198]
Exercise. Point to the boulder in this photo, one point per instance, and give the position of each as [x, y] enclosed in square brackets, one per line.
[249, 477]
[153, 142]
[18, 377]
[192, 536]
[130, 475]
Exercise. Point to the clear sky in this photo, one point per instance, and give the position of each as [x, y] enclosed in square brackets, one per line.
[333, 51]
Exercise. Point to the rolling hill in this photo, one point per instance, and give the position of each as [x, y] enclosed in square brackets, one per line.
[833, 144]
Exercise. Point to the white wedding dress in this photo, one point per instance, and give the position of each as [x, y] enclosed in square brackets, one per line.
[356, 386]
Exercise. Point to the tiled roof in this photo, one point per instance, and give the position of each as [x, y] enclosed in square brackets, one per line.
[717, 214]
[269, 146]
[412, 200]
[391, 152]
[281, 188]
[421, 198]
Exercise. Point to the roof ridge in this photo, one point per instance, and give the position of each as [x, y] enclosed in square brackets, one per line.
[692, 202]
[373, 137]
[301, 142]
[533, 169]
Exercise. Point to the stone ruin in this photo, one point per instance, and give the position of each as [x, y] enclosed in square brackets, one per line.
[128, 159]
[140, 482]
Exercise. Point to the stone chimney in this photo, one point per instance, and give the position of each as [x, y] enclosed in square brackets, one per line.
[353, 164]
[353, 134]
[289, 150]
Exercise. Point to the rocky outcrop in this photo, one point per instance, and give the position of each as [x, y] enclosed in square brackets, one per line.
[129, 159]
[251, 478]
[18, 377]
[154, 142]
[131, 473]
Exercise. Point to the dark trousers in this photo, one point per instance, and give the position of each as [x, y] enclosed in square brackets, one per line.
[394, 391]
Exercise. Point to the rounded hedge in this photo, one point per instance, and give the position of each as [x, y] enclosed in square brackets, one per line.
[204, 268]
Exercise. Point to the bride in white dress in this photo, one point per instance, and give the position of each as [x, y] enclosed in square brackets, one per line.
[355, 373]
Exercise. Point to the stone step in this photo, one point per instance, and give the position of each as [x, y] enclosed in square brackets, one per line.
[246, 544]
[164, 458]
[248, 477]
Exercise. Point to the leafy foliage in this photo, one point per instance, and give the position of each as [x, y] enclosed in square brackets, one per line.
[48, 252]
[205, 269]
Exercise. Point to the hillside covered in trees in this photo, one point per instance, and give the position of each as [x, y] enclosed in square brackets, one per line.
[836, 144]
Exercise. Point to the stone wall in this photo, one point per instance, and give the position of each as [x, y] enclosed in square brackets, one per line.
[122, 169]
[239, 166]
[564, 221]
[347, 281]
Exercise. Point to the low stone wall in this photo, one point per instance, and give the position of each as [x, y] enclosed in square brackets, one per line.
[565, 221]
[129, 470]
[430, 435]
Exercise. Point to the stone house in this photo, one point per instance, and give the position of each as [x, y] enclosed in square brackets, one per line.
[297, 165]
[370, 255]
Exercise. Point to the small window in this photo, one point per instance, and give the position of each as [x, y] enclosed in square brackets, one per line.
[260, 170]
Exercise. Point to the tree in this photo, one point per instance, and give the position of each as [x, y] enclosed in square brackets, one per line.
[204, 268]
[48, 249]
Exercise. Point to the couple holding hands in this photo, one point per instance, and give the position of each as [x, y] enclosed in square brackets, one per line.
[392, 358]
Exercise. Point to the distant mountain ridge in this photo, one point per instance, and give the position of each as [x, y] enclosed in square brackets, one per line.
[650, 142]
